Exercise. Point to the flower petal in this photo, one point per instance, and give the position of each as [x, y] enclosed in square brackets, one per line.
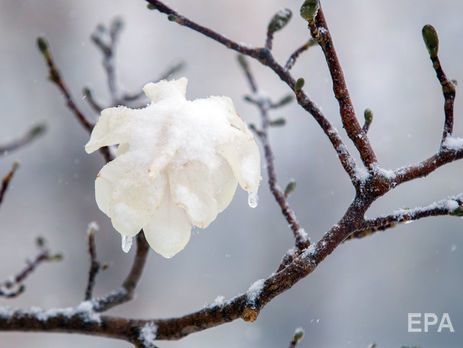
[243, 156]
[169, 229]
[166, 89]
[113, 127]
[133, 193]
[192, 190]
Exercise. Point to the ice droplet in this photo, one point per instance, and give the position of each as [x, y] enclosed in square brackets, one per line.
[252, 199]
[126, 243]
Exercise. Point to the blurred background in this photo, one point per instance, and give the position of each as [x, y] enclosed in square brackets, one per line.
[362, 292]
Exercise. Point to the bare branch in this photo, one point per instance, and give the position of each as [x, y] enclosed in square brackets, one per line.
[94, 264]
[427, 166]
[25, 139]
[292, 59]
[91, 100]
[14, 286]
[55, 77]
[320, 32]
[106, 39]
[6, 180]
[126, 292]
[452, 206]
[264, 104]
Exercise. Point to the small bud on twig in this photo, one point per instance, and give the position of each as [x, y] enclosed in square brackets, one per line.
[368, 114]
[290, 188]
[431, 40]
[309, 10]
[299, 84]
[278, 122]
[284, 101]
[150, 7]
[37, 130]
[279, 20]
[42, 44]
[298, 334]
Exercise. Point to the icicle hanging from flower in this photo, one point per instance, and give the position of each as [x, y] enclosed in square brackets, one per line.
[178, 164]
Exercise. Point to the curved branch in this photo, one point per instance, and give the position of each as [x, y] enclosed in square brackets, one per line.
[126, 291]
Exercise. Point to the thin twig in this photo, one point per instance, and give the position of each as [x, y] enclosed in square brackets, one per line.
[452, 206]
[126, 292]
[448, 89]
[55, 77]
[14, 286]
[292, 59]
[25, 139]
[94, 264]
[320, 32]
[108, 50]
[264, 104]
[91, 100]
[6, 180]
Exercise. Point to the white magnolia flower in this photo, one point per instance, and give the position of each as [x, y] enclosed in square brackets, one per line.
[177, 165]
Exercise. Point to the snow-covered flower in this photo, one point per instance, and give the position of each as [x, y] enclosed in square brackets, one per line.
[178, 164]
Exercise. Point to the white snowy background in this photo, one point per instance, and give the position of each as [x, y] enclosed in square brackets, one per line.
[361, 293]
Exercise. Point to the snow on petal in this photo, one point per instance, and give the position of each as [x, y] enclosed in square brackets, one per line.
[178, 164]
[166, 89]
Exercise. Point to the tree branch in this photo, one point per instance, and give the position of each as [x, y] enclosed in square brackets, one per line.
[94, 264]
[320, 32]
[6, 180]
[55, 77]
[126, 291]
[14, 286]
[25, 139]
[292, 59]
[452, 206]
[264, 104]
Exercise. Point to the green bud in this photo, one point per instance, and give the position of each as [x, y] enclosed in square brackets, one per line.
[87, 92]
[278, 122]
[368, 114]
[299, 84]
[298, 335]
[172, 18]
[309, 10]
[249, 99]
[42, 44]
[290, 188]
[150, 7]
[285, 100]
[57, 257]
[40, 242]
[37, 130]
[279, 20]
[431, 40]
[15, 166]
